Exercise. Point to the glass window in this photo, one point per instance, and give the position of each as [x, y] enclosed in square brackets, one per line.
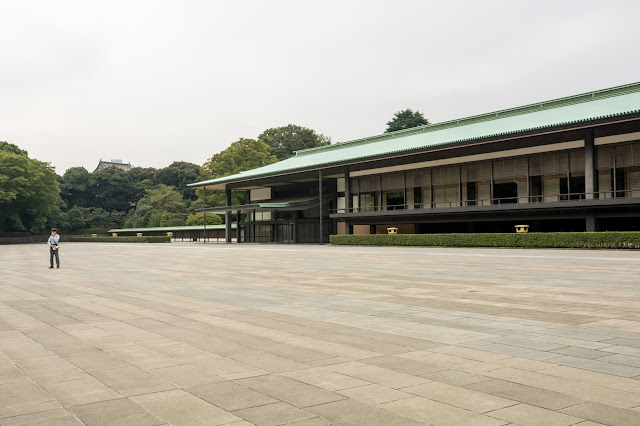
[394, 200]
[523, 197]
[505, 193]
[634, 181]
[417, 197]
[535, 188]
[551, 189]
[620, 182]
[576, 187]
[368, 202]
[473, 176]
[426, 198]
[484, 194]
[576, 179]
[605, 184]
[446, 197]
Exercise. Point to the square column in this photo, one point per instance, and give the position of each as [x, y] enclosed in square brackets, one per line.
[591, 222]
[590, 175]
[227, 216]
[238, 227]
[348, 200]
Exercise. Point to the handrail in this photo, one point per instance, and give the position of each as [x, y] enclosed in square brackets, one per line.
[525, 199]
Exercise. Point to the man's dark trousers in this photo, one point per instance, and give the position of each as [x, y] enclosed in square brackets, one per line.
[52, 253]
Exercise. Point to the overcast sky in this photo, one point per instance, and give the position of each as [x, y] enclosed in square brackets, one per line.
[152, 82]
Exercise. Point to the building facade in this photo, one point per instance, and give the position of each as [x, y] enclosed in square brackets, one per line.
[113, 163]
[570, 164]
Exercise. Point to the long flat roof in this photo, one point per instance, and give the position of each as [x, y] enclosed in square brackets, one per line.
[615, 101]
[170, 228]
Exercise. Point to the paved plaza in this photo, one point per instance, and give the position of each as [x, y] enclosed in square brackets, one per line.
[188, 334]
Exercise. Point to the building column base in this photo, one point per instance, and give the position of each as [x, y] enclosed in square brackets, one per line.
[592, 223]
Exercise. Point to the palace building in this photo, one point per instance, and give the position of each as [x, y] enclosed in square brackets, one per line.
[569, 164]
[113, 163]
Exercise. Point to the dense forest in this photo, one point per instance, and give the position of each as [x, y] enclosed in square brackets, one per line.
[33, 198]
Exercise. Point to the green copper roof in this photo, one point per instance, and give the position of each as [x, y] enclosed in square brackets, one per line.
[573, 109]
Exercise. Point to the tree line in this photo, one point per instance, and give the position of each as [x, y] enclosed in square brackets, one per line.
[33, 198]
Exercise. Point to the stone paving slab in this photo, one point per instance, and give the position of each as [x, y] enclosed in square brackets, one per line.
[188, 333]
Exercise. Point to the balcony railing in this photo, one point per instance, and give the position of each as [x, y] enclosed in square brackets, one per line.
[532, 199]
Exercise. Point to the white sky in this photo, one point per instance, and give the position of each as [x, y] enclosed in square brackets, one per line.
[152, 82]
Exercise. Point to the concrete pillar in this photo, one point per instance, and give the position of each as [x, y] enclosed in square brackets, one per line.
[238, 227]
[253, 225]
[227, 216]
[248, 230]
[348, 200]
[591, 223]
[321, 200]
[204, 213]
[274, 227]
[295, 226]
[590, 175]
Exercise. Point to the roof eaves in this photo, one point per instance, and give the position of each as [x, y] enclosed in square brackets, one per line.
[509, 112]
[239, 178]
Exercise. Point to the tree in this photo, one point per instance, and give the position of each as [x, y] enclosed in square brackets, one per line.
[195, 219]
[76, 217]
[9, 147]
[112, 189]
[179, 174]
[58, 217]
[138, 174]
[28, 190]
[74, 187]
[117, 218]
[161, 206]
[406, 119]
[284, 141]
[244, 154]
[142, 179]
[89, 217]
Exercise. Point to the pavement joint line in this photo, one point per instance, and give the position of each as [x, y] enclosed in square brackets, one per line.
[279, 322]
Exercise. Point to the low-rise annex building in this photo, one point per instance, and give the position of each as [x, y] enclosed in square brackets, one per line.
[569, 164]
[189, 233]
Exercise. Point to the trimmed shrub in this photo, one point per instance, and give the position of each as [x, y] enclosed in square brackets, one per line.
[150, 239]
[609, 240]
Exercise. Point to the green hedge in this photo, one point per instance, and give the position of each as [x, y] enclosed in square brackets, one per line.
[73, 239]
[610, 240]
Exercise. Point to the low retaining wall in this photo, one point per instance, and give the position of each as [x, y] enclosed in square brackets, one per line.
[24, 240]
[148, 239]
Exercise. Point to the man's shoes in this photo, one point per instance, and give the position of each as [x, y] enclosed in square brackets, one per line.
[58, 266]
[50, 267]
